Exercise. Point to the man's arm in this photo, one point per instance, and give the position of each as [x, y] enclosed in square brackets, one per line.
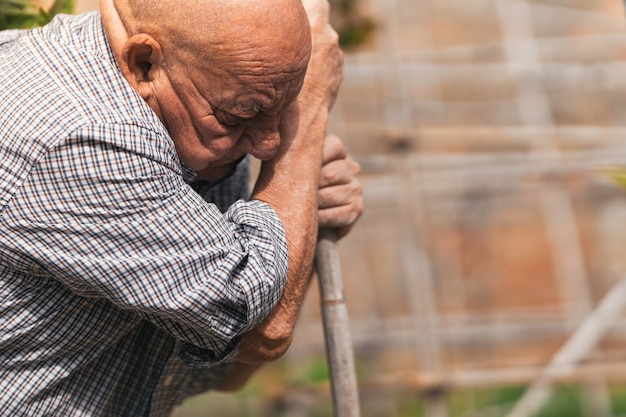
[291, 184]
[340, 204]
[290, 181]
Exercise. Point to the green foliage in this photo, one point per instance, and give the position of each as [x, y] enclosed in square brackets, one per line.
[618, 400]
[459, 402]
[351, 25]
[409, 407]
[313, 372]
[62, 6]
[564, 402]
[355, 32]
[22, 14]
[618, 175]
[318, 371]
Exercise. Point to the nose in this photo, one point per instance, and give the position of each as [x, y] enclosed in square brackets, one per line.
[261, 138]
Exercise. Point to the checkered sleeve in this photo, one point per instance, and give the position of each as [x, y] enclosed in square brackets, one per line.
[117, 224]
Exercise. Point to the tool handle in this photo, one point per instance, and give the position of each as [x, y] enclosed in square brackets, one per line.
[339, 350]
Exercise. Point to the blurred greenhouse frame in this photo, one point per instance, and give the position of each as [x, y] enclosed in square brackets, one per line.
[488, 236]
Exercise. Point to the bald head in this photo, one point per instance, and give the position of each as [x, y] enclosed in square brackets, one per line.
[218, 73]
[201, 29]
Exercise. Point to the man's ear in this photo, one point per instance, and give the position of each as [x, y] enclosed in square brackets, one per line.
[141, 57]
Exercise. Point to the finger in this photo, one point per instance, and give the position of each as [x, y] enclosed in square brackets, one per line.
[333, 149]
[325, 70]
[338, 173]
[340, 195]
[342, 217]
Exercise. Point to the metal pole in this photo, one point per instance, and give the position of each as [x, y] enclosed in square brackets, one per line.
[339, 351]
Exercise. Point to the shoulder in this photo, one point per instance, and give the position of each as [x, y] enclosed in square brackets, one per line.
[68, 64]
[62, 78]
[62, 94]
[7, 36]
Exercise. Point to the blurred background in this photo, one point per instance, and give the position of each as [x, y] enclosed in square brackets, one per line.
[485, 277]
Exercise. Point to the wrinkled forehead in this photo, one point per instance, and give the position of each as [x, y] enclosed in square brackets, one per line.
[247, 87]
[244, 46]
[243, 59]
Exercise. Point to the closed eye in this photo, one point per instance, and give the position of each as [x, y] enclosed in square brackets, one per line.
[231, 120]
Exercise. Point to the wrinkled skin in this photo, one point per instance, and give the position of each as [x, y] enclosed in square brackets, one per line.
[258, 77]
[224, 99]
[340, 195]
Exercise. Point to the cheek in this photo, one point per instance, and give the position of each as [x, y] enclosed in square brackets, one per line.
[207, 136]
[213, 150]
[200, 140]
[209, 127]
[222, 145]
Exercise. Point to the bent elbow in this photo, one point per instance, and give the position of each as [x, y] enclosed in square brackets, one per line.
[266, 343]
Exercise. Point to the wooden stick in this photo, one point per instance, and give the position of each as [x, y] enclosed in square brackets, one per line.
[339, 351]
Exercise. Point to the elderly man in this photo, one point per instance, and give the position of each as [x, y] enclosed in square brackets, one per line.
[135, 270]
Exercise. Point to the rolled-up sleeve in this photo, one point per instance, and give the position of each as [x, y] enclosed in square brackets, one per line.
[113, 224]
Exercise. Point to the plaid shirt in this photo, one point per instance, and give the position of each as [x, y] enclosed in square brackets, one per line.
[122, 290]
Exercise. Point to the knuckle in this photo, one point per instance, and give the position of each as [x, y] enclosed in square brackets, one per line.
[333, 36]
[330, 176]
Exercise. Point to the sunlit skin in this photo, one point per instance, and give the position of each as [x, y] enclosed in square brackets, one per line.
[213, 127]
[235, 77]
[226, 100]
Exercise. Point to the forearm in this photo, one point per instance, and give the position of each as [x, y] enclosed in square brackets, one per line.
[289, 183]
[237, 376]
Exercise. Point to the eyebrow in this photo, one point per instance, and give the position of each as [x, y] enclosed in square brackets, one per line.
[253, 105]
[243, 107]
